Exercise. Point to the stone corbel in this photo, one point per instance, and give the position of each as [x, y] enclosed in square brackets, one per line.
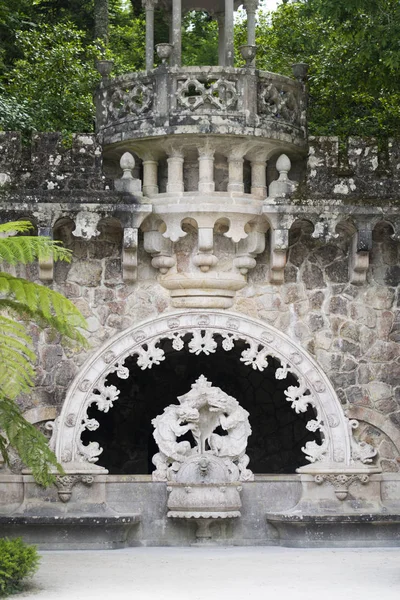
[65, 483]
[159, 247]
[248, 249]
[341, 482]
[361, 245]
[46, 262]
[278, 255]
[205, 258]
[129, 254]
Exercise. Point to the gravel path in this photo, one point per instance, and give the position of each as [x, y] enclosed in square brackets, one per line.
[218, 574]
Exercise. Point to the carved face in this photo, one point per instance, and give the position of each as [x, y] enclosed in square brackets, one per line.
[217, 401]
[187, 413]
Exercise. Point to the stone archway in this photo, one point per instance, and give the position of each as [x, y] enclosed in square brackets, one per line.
[337, 452]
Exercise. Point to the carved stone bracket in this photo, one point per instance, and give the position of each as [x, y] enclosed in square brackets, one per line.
[341, 482]
[160, 247]
[278, 255]
[248, 249]
[46, 263]
[129, 254]
[65, 483]
[361, 245]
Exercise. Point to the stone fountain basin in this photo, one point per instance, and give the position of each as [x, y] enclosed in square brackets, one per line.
[204, 500]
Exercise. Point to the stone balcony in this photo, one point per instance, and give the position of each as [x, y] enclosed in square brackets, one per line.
[264, 108]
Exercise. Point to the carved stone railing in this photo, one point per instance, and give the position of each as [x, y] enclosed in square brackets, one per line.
[208, 99]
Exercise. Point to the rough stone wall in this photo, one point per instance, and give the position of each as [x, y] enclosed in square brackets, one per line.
[352, 331]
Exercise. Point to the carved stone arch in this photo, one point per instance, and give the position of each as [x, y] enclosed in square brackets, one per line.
[336, 453]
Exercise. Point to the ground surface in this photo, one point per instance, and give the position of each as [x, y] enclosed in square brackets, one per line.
[218, 574]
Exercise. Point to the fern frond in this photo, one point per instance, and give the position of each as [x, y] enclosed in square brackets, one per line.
[14, 227]
[16, 358]
[39, 302]
[27, 249]
[30, 444]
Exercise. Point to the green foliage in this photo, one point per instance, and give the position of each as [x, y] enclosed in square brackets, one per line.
[199, 40]
[17, 561]
[53, 80]
[47, 73]
[354, 57]
[23, 301]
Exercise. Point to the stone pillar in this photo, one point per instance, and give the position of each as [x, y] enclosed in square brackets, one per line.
[229, 49]
[206, 170]
[150, 172]
[176, 32]
[259, 178]
[175, 173]
[221, 39]
[251, 7]
[149, 7]
[235, 174]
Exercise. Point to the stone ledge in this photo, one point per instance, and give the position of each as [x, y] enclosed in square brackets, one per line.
[353, 530]
[71, 531]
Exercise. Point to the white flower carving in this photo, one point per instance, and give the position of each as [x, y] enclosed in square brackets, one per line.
[177, 341]
[299, 400]
[151, 356]
[105, 400]
[315, 452]
[255, 358]
[228, 341]
[282, 372]
[202, 343]
[122, 372]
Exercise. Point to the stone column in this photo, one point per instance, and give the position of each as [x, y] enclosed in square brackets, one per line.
[229, 49]
[150, 171]
[176, 32]
[221, 39]
[149, 7]
[251, 7]
[175, 172]
[259, 178]
[235, 174]
[206, 170]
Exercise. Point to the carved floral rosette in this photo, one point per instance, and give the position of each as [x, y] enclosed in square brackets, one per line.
[338, 449]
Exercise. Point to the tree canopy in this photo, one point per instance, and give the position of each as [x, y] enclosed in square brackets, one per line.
[47, 51]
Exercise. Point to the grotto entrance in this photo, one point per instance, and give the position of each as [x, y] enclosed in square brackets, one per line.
[125, 432]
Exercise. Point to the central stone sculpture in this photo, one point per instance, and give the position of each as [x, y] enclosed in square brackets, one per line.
[204, 479]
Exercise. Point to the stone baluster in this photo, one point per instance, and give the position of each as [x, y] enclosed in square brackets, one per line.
[205, 257]
[259, 178]
[150, 176]
[175, 172]
[235, 174]
[46, 262]
[283, 185]
[177, 32]
[206, 170]
[251, 8]
[149, 8]
[228, 38]
[127, 183]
